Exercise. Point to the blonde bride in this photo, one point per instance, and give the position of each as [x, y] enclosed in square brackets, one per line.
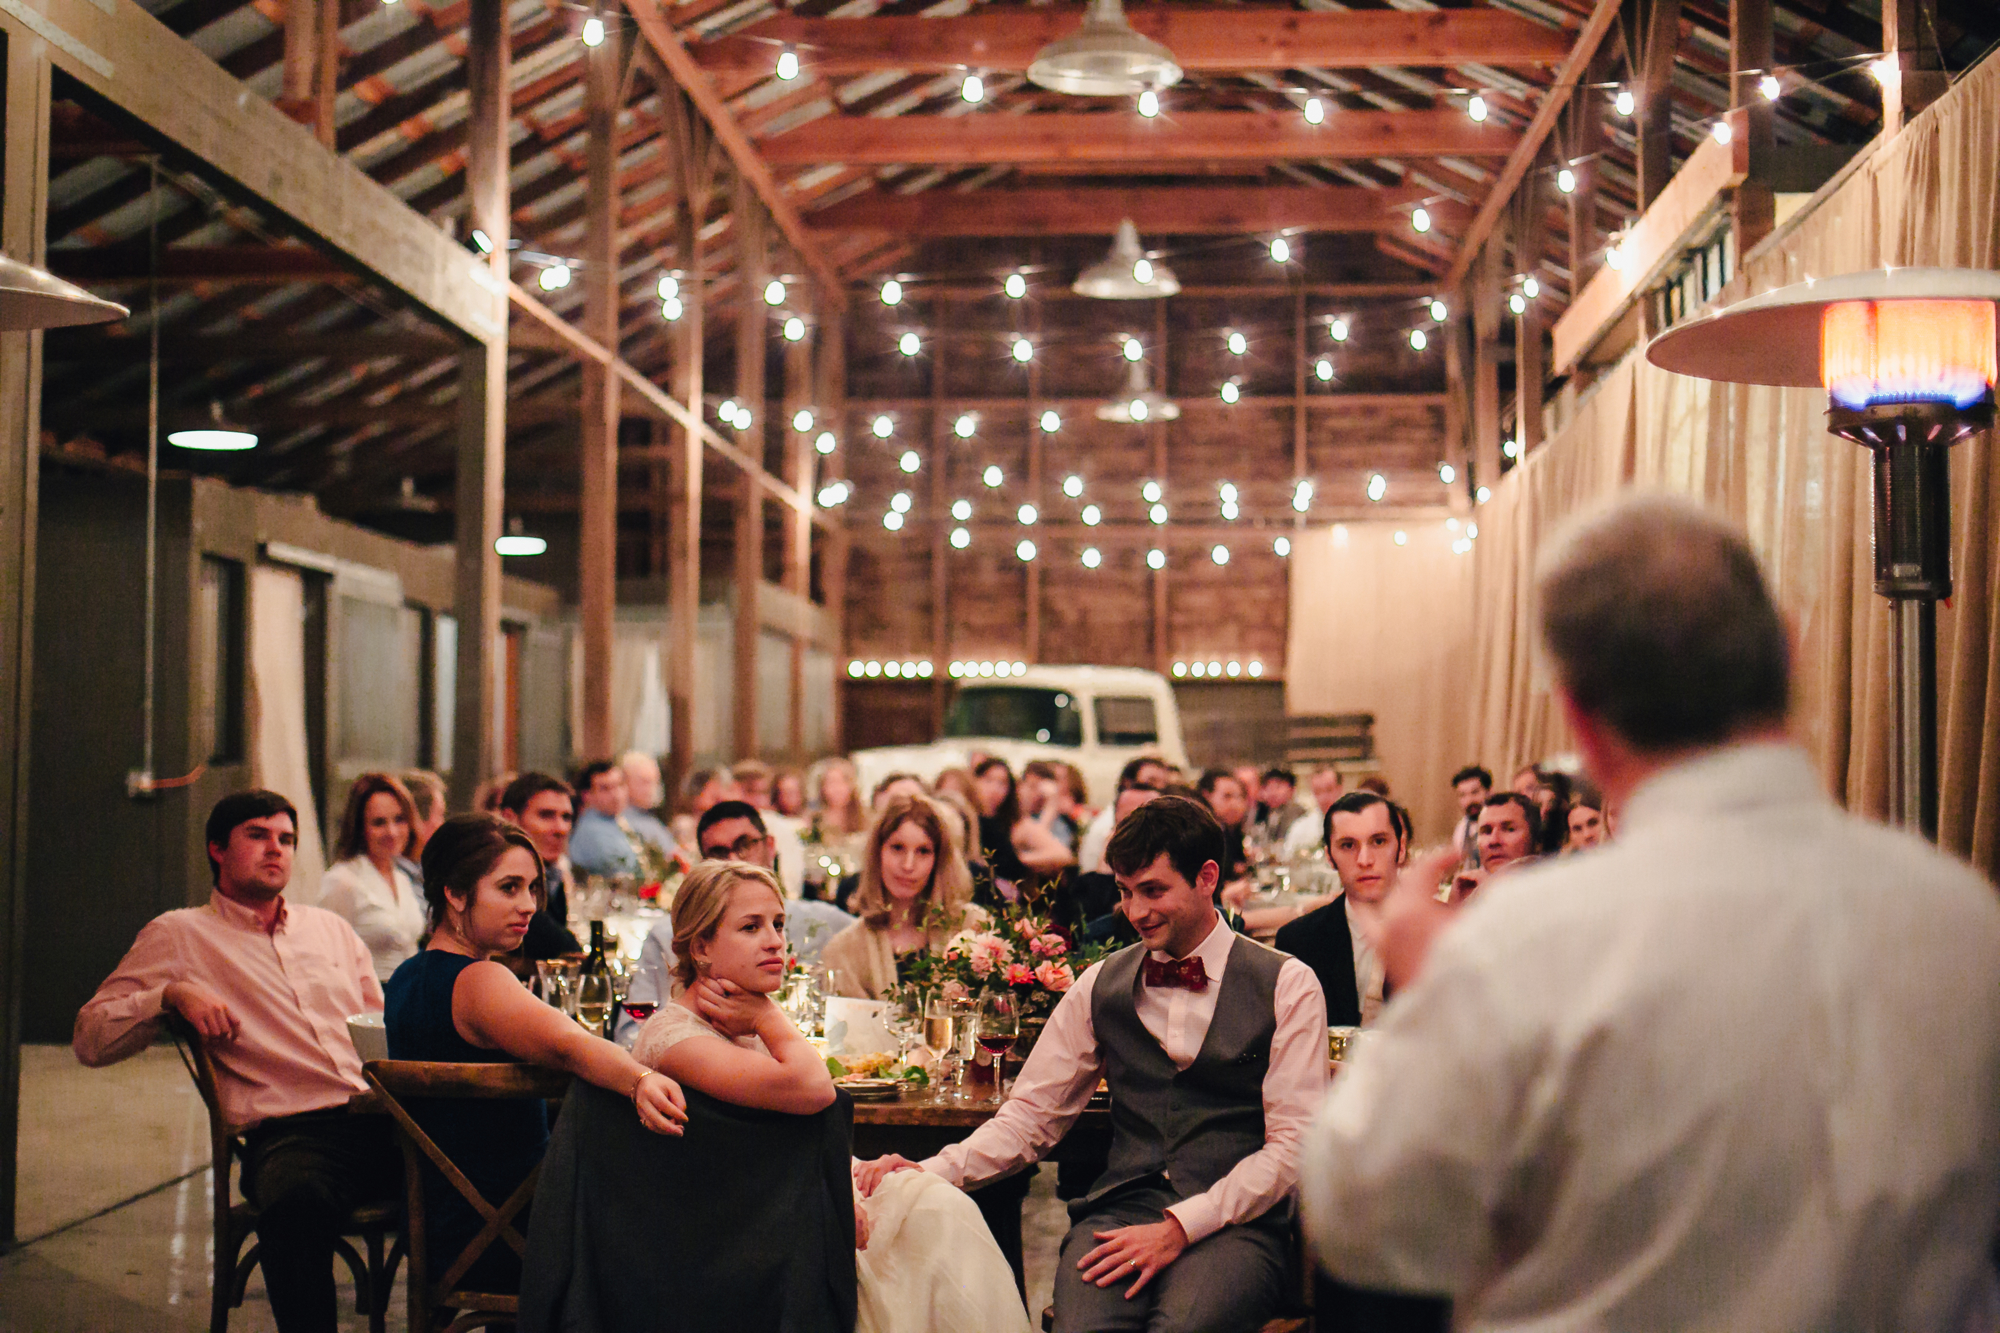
[925, 1261]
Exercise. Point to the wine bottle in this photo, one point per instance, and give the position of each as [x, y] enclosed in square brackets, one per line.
[595, 963]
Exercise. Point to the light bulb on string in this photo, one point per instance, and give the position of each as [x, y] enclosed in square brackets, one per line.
[593, 31]
[909, 344]
[1420, 219]
[1378, 486]
[1072, 486]
[1238, 344]
[1624, 103]
[1517, 303]
[1338, 329]
[1323, 370]
[960, 539]
[1091, 516]
[964, 426]
[1092, 558]
[1315, 111]
[892, 292]
[1476, 108]
[1051, 421]
[1722, 131]
[1133, 351]
[962, 510]
[788, 65]
[825, 443]
[670, 287]
[802, 420]
[973, 89]
[1230, 393]
[1151, 492]
[795, 329]
[1419, 340]
[909, 462]
[883, 427]
[993, 476]
[1530, 288]
[1149, 104]
[1024, 351]
[1566, 181]
[774, 292]
[1769, 86]
[1016, 286]
[1439, 311]
[1281, 250]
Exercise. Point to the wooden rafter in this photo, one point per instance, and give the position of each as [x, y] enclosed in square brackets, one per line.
[1185, 211]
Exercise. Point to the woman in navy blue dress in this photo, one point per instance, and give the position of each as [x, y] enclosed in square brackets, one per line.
[453, 1003]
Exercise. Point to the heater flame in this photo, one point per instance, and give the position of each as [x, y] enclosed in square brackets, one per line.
[1908, 352]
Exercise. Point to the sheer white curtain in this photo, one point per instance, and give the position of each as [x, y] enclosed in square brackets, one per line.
[279, 759]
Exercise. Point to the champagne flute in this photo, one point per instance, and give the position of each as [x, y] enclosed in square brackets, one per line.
[999, 1027]
[940, 1032]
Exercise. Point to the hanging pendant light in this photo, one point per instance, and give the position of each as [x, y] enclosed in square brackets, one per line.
[1117, 276]
[1104, 58]
[33, 298]
[216, 437]
[1140, 403]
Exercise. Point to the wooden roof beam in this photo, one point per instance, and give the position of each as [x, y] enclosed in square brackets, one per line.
[1119, 137]
[1187, 211]
[1202, 39]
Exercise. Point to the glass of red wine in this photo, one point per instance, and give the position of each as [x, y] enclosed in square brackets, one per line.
[998, 1026]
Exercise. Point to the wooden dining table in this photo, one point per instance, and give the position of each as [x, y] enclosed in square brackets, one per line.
[922, 1121]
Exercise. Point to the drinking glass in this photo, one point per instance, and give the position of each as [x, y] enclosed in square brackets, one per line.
[999, 1027]
[593, 1002]
[940, 1033]
[965, 1021]
[568, 972]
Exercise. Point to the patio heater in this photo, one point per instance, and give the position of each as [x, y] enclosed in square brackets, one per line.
[1907, 359]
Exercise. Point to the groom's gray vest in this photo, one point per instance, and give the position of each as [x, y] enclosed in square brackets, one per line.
[1190, 1126]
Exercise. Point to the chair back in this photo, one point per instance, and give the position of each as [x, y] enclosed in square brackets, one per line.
[394, 1082]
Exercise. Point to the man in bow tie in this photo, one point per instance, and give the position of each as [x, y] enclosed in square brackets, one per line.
[1215, 1050]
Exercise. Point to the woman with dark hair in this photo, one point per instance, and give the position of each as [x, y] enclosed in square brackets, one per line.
[1015, 846]
[365, 884]
[915, 894]
[454, 1003]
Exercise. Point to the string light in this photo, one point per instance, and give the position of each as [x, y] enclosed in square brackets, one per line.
[1566, 181]
[1482, 495]
[670, 287]
[1530, 288]
[795, 329]
[1624, 103]
[802, 420]
[1419, 340]
[1302, 495]
[1323, 368]
[1315, 111]
[1051, 421]
[832, 494]
[960, 539]
[671, 309]
[1517, 303]
[1722, 132]
[1378, 486]
[1420, 219]
[892, 292]
[1439, 311]
[893, 521]
[1092, 557]
[1142, 270]
[1133, 351]
[1614, 258]
[1091, 516]
[1281, 547]
[1238, 344]
[1156, 559]
[1882, 69]
[909, 462]
[1281, 250]
[1476, 108]
[825, 443]
[1227, 491]
[1158, 513]
[973, 89]
[1508, 448]
[964, 426]
[1072, 486]
[993, 476]
[1027, 514]
[900, 502]
[909, 344]
[962, 510]
[1024, 351]
[774, 292]
[788, 65]
[593, 31]
[1230, 511]
[883, 428]
[1447, 473]
[728, 410]
[554, 278]
[1230, 393]
[1402, 537]
[1016, 286]
[1149, 104]
[1220, 555]
[1151, 492]
[1025, 549]
[1338, 328]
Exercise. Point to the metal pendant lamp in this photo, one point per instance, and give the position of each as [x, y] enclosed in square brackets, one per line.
[1104, 58]
[1140, 403]
[1908, 360]
[33, 298]
[1126, 274]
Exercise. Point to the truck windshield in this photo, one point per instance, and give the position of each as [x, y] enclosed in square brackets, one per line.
[1018, 713]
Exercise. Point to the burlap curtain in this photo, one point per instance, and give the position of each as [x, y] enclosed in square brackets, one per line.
[1930, 196]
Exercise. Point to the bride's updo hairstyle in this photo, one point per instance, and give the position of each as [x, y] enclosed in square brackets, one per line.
[700, 904]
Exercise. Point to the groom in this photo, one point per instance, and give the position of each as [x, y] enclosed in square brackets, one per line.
[1215, 1050]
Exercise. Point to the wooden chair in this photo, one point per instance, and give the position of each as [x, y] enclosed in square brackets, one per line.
[235, 1223]
[396, 1080]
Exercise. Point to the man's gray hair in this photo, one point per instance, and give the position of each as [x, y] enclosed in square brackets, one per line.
[1661, 624]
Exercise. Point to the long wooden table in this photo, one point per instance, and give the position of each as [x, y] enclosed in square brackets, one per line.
[924, 1120]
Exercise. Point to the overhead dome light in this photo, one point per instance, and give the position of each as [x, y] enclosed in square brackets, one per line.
[1116, 276]
[514, 541]
[1140, 403]
[217, 437]
[1104, 58]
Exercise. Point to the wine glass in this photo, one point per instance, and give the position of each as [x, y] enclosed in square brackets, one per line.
[593, 1001]
[940, 1032]
[998, 1024]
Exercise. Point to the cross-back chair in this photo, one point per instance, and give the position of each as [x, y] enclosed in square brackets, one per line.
[396, 1081]
[236, 1222]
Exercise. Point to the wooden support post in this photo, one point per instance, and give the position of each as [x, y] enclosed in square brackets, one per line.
[1916, 77]
[1457, 404]
[1530, 235]
[1752, 207]
[1299, 459]
[753, 262]
[24, 190]
[1652, 37]
[836, 600]
[1032, 591]
[684, 138]
[1156, 435]
[800, 392]
[940, 466]
[1486, 363]
[482, 416]
[1583, 142]
[311, 64]
[597, 546]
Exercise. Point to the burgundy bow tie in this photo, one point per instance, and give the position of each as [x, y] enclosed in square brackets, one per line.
[1187, 973]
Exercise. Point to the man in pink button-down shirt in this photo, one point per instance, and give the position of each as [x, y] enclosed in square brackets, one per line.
[269, 986]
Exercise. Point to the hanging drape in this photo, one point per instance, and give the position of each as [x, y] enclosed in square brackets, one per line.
[1763, 456]
[280, 759]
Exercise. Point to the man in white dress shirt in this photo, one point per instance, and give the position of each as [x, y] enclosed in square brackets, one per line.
[1215, 1050]
[1739, 1069]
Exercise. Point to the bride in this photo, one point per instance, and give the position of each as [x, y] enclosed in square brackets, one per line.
[926, 1262]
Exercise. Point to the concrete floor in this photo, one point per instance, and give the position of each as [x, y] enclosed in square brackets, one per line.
[115, 1207]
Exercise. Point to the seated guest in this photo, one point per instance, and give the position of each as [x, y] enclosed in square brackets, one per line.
[892, 786]
[759, 781]
[1015, 845]
[915, 894]
[542, 807]
[1368, 842]
[1309, 830]
[833, 794]
[1470, 787]
[1088, 904]
[1528, 781]
[1551, 805]
[1045, 798]
[645, 794]
[486, 799]
[1276, 811]
[933, 1267]
[1229, 801]
[1215, 1050]
[284, 1067]
[1588, 821]
[453, 1003]
[367, 886]
[729, 831]
[1145, 771]
[427, 797]
[788, 794]
[604, 842]
[1376, 783]
[1510, 832]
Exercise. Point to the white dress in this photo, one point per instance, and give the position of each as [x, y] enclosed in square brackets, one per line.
[389, 917]
[931, 1265]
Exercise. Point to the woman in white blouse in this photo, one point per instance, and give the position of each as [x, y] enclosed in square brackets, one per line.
[366, 885]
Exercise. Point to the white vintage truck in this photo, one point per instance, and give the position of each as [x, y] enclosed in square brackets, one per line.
[1095, 717]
